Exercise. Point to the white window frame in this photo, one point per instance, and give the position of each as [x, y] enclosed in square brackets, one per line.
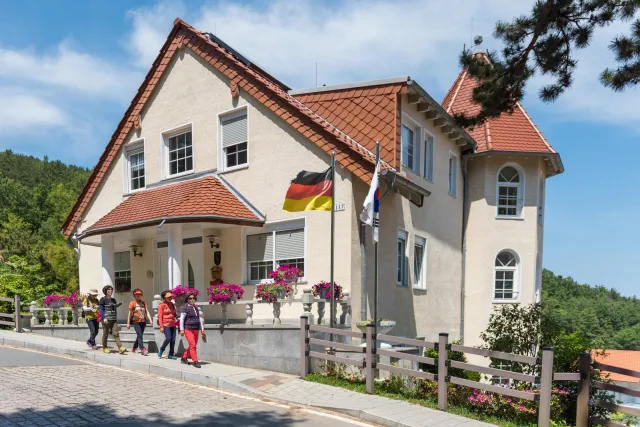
[222, 158]
[132, 148]
[274, 227]
[520, 188]
[498, 380]
[178, 130]
[410, 123]
[517, 275]
[404, 282]
[422, 280]
[127, 272]
[429, 141]
[453, 176]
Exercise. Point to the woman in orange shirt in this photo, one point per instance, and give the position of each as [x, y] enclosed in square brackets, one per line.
[167, 321]
[138, 315]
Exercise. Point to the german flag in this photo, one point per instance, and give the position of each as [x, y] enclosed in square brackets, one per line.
[310, 191]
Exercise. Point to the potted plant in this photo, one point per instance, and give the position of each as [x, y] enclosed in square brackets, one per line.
[180, 292]
[272, 292]
[224, 293]
[53, 301]
[73, 300]
[286, 275]
[322, 290]
[383, 326]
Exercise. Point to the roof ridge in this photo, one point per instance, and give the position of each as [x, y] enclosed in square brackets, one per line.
[455, 94]
[535, 127]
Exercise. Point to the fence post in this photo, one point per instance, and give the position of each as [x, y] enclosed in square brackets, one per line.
[546, 380]
[17, 314]
[443, 371]
[304, 346]
[370, 362]
[584, 385]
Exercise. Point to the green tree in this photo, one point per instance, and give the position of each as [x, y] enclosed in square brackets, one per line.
[628, 338]
[545, 41]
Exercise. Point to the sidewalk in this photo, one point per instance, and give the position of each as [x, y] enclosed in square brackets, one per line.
[269, 385]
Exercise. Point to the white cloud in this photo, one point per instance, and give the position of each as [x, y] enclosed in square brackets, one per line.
[24, 113]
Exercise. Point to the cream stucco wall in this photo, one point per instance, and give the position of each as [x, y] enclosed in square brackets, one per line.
[193, 92]
[488, 235]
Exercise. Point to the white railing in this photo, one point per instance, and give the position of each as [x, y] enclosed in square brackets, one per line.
[47, 313]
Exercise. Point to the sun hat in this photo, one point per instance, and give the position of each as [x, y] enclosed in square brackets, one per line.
[93, 291]
[168, 295]
[137, 292]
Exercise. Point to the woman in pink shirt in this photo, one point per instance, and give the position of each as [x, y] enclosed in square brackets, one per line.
[167, 321]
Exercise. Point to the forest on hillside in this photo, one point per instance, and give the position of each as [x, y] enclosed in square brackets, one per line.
[35, 197]
[35, 260]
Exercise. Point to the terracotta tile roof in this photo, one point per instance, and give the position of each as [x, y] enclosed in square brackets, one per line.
[627, 359]
[253, 81]
[366, 114]
[509, 132]
[204, 199]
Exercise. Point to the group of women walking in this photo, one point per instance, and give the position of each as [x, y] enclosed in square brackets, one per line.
[104, 311]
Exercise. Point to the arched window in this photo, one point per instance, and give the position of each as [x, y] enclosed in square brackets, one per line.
[506, 275]
[509, 192]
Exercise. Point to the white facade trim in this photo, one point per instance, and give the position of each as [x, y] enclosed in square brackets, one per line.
[164, 149]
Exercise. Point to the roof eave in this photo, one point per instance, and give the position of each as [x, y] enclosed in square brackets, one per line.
[407, 188]
[554, 158]
[437, 112]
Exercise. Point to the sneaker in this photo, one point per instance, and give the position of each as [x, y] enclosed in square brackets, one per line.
[184, 360]
[160, 354]
[172, 357]
[144, 351]
[94, 347]
[122, 350]
[106, 351]
[134, 349]
[196, 364]
[89, 344]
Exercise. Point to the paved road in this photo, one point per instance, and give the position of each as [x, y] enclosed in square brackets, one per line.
[38, 389]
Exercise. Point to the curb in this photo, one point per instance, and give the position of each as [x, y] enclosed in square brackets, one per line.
[193, 377]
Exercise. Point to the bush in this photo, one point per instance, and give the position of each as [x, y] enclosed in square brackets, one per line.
[454, 372]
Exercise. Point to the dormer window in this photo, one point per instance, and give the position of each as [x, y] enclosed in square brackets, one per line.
[509, 197]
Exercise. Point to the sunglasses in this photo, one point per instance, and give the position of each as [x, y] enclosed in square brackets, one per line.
[191, 298]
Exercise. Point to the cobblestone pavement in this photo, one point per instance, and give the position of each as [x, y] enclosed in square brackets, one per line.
[90, 394]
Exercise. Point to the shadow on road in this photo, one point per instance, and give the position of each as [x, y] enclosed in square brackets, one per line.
[95, 414]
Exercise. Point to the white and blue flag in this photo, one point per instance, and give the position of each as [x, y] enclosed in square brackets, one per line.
[371, 212]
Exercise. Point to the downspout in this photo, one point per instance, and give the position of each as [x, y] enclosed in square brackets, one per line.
[465, 203]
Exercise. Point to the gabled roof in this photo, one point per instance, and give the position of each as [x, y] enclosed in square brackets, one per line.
[626, 359]
[514, 132]
[244, 75]
[205, 199]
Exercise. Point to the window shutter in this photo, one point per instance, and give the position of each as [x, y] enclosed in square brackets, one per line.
[234, 131]
[122, 261]
[428, 164]
[290, 244]
[260, 247]
[417, 143]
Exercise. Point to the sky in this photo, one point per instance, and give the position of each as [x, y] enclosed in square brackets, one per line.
[69, 70]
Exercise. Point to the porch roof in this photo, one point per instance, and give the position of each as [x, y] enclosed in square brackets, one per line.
[205, 199]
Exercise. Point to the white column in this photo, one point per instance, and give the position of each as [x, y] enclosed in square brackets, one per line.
[175, 255]
[108, 261]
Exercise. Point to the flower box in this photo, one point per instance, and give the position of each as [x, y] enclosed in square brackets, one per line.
[224, 293]
[322, 290]
[383, 326]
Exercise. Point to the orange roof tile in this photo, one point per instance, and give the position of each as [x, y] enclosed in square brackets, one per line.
[254, 81]
[367, 114]
[204, 199]
[509, 132]
[627, 359]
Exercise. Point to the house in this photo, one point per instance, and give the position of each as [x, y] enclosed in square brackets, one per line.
[197, 170]
[625, 359]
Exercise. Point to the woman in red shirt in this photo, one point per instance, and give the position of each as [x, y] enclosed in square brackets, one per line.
[167, 321]
[138, 315]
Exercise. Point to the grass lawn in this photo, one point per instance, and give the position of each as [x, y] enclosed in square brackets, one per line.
[379, 391]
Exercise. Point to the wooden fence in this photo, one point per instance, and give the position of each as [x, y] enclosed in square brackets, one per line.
[543, 366]
[15, 316]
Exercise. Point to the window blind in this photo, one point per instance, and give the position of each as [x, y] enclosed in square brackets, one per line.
[122, 261]
[234, 131]
[260, 247]
[290, 244]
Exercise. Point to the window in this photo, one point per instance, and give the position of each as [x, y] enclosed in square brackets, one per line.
[509, 196]
[180, 150]
[401, 265]
[505, 366]
[122, 272]
[419, 263]
[234, 140]
[428, 157]
[408, 147]
[267, 251]
[506, 274]
[541, 202]
[135, 169]
[191, 277]
[453, 174]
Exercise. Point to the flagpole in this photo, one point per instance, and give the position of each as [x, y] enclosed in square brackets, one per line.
[332, 309]
[375, 251]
